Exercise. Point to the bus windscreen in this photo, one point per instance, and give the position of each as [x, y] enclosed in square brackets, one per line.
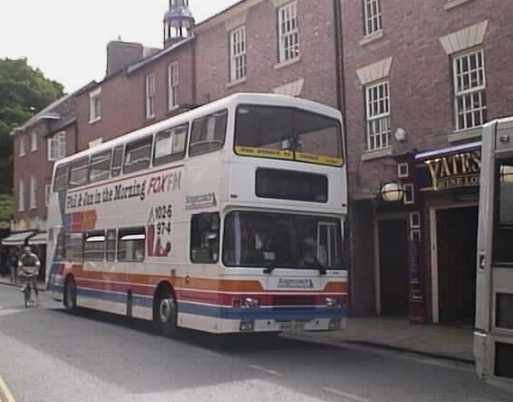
[277, 240]
[288, 133]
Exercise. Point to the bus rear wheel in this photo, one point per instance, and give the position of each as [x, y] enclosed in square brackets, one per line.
[166, 314]
[70, 295]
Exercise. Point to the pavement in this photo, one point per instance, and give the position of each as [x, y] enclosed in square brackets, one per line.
[49, 355]
[446, 342]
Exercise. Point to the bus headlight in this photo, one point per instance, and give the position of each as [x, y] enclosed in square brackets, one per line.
[331, 302]
[250, 302]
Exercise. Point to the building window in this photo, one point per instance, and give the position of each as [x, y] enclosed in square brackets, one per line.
[21, 196]
[95, 106]
[378, 116]
[57, 147]
[288, 32]
[22, 146]
[33, 141]
[150, 96]
[469, 90]
[33, 192]
[372, 10]
[238, 59]
[172, 79]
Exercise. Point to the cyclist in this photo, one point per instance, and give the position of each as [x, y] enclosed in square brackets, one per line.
[28, 267]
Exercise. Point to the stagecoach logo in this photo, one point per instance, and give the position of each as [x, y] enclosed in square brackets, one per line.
[295, 283]
[200, 201]
[460, 170]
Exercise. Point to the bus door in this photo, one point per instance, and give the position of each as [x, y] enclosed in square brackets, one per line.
[493, 345]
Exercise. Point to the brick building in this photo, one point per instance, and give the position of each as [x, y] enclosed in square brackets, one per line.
[421, 77]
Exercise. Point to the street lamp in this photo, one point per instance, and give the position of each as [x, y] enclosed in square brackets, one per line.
[392, 192]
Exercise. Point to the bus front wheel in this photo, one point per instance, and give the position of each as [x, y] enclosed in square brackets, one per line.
[70, 295]
[166, 314]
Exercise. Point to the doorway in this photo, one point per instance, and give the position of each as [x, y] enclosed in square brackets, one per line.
[456, 243]
[393, 267]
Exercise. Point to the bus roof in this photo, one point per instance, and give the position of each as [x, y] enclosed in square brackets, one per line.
[235, 99]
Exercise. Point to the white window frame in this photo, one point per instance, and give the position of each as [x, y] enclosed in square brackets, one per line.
[57, 146]
[469, 90]
[95, 106]
[378, 116]
[372, 16]
[22, 145]
[238, 56]
[33, 192]
[21, 195]
[150, 85]
[33, 141]
[173, 82]
[288, 32]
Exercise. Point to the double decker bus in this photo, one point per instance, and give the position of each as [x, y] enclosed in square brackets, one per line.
[227, 218]
[493, 338]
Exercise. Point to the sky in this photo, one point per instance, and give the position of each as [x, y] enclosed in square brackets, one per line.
[67, 39]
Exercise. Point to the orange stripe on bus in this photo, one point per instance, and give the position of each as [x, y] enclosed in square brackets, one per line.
[221, 285]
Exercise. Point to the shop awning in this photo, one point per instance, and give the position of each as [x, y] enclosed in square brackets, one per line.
[17, 239]
[39, 239]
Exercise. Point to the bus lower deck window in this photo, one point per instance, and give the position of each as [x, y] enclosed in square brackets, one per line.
[205, 238]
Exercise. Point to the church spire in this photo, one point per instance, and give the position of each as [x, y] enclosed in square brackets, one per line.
[178, 22]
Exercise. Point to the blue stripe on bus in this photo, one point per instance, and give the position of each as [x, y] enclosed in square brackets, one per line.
[292, 313]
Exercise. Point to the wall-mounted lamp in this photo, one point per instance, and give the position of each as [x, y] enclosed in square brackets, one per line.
[392, 192]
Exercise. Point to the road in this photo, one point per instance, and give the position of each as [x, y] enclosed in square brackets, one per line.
[49, 355]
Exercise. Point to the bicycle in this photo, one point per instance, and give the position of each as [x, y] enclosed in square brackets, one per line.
[30, 289]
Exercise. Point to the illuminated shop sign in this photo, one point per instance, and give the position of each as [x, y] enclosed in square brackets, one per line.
[454, 171]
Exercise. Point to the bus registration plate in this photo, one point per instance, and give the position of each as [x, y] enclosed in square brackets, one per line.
[292, 325]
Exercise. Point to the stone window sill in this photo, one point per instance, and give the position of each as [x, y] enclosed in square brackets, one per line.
[371, 38]
[371, 155]
[287, 63]
[236, 82]
[465, 134]
[94, 121]
[454, 3]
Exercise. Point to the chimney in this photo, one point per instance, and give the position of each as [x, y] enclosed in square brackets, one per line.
[122, 54]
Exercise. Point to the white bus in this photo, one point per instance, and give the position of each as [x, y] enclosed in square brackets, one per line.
[493, 339]
[227, 218]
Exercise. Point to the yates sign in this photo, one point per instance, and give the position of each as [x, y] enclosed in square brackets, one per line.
[460, 170]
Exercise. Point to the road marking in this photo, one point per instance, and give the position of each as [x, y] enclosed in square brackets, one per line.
[345, 395]
[263, 369]
[5, 394]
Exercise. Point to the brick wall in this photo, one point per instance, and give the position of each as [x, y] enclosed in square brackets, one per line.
[317, 64]
[421, 74]
[123, 98]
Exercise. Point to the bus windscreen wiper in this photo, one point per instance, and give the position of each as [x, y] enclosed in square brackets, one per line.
[270, 268]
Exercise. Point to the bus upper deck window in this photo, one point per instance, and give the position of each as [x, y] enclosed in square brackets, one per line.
[138, 155]
[79, 173]
[208, 133]
[170, 145]
[61, 178]
[117, 161]
[100, 166]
